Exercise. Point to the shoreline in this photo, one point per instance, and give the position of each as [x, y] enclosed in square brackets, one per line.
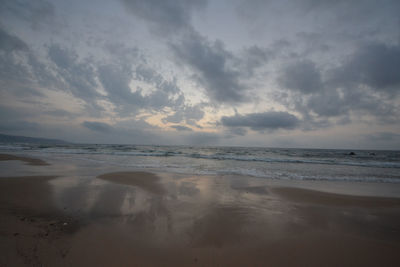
[121, 217]
[288, 168]
[28, 160]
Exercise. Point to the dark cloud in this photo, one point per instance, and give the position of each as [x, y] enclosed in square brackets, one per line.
[37, 13]
[24, 74]
[354, 14]
[165, 16]
[302, 76]
[334, 63]
[181, 128]
[374, 65]
[118, 79]
[340, 104]
[271, 120]
[213, 68]
[64, 58]
[357, 12]
[9, 42]
[121, 52]
[328, 103]
[78, 77]
[123, 78]
[19, 68]
[366, 83]
[82, 77]
[254, 57]
[165, 93]
[98, 126]
[115, 79]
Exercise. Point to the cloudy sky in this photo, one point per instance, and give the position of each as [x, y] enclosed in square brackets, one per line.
[304, 73]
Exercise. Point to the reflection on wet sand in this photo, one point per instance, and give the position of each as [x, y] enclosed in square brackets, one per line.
[323, 198]
[144, 219]
[188, 220]
[30, 161]
[144, 180]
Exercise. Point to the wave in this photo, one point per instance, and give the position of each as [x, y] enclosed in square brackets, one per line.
[381, 159]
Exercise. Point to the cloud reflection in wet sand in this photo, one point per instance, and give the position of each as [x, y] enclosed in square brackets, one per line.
[177, 219]
[202, 211]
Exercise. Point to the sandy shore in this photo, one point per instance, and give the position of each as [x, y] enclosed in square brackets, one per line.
[30, 161]
[330, 199]
[144, 180]
[145, 219]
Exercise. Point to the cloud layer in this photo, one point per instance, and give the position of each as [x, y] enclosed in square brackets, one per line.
[198, 72]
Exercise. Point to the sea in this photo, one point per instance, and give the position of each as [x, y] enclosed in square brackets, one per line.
[267, 163]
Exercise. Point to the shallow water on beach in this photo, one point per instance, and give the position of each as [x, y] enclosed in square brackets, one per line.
[271, 163]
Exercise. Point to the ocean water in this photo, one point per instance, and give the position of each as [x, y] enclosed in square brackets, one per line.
[268, 163]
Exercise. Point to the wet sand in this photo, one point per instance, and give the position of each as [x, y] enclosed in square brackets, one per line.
[30, 161]
[331, 199]
[146, 219]
[30, 224]
[144, 180]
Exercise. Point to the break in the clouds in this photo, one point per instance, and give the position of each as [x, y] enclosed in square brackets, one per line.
[202, 72]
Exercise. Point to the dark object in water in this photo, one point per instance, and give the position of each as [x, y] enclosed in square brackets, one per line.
[352, 153]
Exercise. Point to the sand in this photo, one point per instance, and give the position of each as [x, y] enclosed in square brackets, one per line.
[30, 223]
[144, 180]
[331, 199]
[147, 219]
[30, 161]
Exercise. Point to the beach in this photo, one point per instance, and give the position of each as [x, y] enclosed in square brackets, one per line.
[57, 213]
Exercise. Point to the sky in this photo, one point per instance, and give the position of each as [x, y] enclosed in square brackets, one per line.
[273, 73]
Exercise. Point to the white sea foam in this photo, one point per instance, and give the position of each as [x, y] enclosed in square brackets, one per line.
[288, 164]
